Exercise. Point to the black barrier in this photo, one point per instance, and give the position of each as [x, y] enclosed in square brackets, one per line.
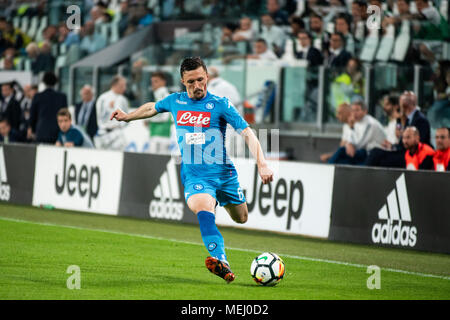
[17, 163]
[393, 208]
[152, 189]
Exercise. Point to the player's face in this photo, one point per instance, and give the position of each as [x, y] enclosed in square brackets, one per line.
[195, 82]
[64, 123]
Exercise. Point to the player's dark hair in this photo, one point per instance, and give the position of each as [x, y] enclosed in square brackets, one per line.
[393, 99]
[192, 63]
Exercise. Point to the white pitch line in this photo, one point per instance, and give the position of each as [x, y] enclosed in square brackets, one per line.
[356, 265]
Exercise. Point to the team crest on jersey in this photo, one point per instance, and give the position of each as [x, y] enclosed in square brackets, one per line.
[209, 106]
[198, 186]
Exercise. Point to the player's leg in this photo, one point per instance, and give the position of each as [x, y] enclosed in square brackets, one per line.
[203, 205]
[237, 212]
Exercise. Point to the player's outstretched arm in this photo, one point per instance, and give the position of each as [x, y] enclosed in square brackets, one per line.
[147, 110]
[254, 146]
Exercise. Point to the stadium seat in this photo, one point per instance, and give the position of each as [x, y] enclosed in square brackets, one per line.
[16, 22]
[24, 23]
[402, 42]
[370, 47]
[32, 30]
[386, 44]
[114, 32]
[44, 22]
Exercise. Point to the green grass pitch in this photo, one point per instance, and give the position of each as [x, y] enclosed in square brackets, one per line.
[123, 258]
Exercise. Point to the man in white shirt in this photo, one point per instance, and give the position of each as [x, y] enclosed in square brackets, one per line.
[161, 125]
[345, 116]
[367, 134]
[274, 35]
[245, 31]
[109, 135]
[262, 52]
[222, 88]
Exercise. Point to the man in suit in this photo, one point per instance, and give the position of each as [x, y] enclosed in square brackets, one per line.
[393, 155]
[10, 107]
[338, 57]
[8, 134]
[44, 107]
[85, 112]
[307, 51]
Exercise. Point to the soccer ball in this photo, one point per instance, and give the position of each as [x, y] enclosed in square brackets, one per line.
[267, 269]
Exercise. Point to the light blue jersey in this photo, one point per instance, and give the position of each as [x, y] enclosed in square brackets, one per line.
[201, 126]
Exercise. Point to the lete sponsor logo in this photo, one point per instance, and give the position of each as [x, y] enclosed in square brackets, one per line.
[397, 228]
[193, 118]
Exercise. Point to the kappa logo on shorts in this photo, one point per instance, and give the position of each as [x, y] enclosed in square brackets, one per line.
[193, 118]
[212, 246]
[198, 186]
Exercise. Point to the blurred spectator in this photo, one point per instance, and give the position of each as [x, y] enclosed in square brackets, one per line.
[391, 108]
[292, 43]
[439, 113]
[109, 135]
[50, 35]
[91, 41]
[441, 158]
[418, 156]
[124, 17]
[228, 31]
[404, 13]
[345, 116]
[261, 51]
[10, 107]
[161, 125]
[279, 16]
[12, 37]
[433, 25]
[25, 104]
[367, 134]
[297, 24]
[337, 56]
[7, 63]
[321, 38]
[349, 84]
[44, 107]
[306, 50]
[359, 17]
[342, 25]
[245, 31]
[8, 134]
[222, 88]
[410, 115]
[41, 59]
[85, 111]
[67, 37]
[273, 34]
[69, 135]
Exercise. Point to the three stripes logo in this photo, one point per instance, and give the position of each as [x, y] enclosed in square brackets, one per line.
[5, 189]
[167, 202]
[397, 228]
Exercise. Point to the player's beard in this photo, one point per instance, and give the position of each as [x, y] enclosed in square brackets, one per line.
[199, 94]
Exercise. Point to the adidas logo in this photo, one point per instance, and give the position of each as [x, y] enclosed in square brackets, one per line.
[5, 189]
[397, 230]
[167, 203]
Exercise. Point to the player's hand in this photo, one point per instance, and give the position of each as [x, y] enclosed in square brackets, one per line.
[119, 115]
[265, 173]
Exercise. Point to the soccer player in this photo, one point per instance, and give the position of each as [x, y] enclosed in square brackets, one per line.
[207, 173]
